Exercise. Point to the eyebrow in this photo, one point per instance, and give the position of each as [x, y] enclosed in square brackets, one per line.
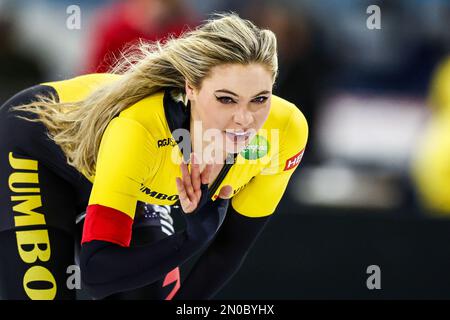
[236, 95]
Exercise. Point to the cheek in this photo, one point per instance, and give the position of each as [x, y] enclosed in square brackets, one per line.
[214, 115]
[220, 118]
[261, 116]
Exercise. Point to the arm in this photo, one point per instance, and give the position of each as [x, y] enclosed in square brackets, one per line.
[223, 257]
[125, 159]
[108, 264]
[108, 268]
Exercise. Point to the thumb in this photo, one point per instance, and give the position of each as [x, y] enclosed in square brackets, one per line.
[225, 192]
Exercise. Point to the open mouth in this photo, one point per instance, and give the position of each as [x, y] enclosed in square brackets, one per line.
[238, 137]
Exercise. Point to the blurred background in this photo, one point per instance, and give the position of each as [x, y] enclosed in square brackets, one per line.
[374, 184]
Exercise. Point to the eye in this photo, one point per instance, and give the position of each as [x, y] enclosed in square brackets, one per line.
[260, 100]
[225, 100]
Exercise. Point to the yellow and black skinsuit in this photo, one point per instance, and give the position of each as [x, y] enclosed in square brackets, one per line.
[138, 160]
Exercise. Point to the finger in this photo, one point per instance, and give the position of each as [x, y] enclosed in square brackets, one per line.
[195, 175]
[181, 190]
[206, 173]
[187, 181]
[184, 199]
[225, 192]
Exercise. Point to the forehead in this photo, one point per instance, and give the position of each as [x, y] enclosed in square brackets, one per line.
[241, 79]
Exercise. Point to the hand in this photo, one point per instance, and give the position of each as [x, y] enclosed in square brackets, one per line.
[193, 183]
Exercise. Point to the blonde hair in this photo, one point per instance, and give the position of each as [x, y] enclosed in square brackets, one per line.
[77, 127]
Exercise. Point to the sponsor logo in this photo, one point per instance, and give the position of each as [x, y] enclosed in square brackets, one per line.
[235, 191]
[167, 142]
[256, 149]
[33, 246]
[294, 161]
[242, 187]
[158, 195]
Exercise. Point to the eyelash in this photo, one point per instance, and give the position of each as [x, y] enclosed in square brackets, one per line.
[228, 100]
[260, 100]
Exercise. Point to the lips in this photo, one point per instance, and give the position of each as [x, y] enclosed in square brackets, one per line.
[238, 136]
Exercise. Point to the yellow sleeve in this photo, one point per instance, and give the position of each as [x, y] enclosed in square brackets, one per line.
[123, 163]
[262, 194]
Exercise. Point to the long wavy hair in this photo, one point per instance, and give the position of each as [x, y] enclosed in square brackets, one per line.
[77, 126]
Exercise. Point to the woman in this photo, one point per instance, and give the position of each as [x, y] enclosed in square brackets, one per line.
[199, 107]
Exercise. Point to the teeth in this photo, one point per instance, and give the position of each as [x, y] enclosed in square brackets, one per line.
[238, 133]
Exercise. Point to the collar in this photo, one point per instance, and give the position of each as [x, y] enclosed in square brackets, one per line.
[177, 110]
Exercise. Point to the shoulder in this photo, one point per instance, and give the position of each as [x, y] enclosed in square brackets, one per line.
[80, 87]
[288, 118]
[149, 112]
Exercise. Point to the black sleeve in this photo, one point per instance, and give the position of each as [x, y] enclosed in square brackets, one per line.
[107, 268]
[223, 257]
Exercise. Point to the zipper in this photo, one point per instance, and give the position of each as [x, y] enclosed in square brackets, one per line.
[221, 176]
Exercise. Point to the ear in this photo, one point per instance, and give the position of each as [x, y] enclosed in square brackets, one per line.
[190, 91]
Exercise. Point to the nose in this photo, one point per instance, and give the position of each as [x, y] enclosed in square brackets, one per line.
[242, 117]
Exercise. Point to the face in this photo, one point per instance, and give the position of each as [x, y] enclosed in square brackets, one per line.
[235, 100]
